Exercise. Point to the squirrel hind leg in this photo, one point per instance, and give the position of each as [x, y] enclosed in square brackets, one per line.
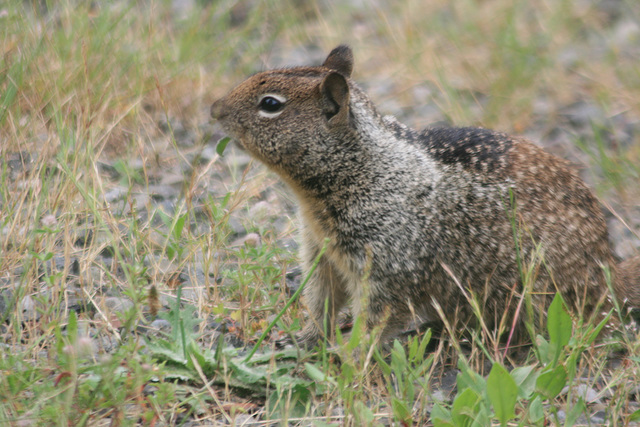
[325, 295]
[627, 282]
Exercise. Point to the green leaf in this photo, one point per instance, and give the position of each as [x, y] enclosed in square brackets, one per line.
[386, 369]
[316, 374]
[171, 373]
[398, 357]
[482, 417]
[464, 407]
[222, 144]
[635, 416]
[525, 378]
[166, 354]
[177, 231]
[578, 409]
[559, 326]
[536, 411]
[366, 415]
[358, 332]
[544, 350]
[401, 411]
[593, 334]
[550, 383]
[72, 327]
[503, 393]
[246, 374]
[468, 378]
[441, 416]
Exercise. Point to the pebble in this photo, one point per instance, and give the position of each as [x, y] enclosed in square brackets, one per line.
[161, 325]
[587, 393]
[117, 304]
[29, 310]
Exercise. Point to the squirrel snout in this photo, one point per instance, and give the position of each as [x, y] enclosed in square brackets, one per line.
[217, 109]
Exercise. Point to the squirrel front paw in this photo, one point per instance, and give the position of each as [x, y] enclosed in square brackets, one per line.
[309, 337]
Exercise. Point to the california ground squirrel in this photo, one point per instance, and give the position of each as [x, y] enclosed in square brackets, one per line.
[427, 216]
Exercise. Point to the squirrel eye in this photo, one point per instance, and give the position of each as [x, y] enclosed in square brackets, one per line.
[271, 105]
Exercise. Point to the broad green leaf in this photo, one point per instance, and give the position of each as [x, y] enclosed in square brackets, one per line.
[536, 411]
[222, 144]
[440, 416]
[635, 416]
[401, 411]
[386, 369]
[413, 348]
[482, 417]
[424, 342]
[167, 354]
[464, 407]
[525, 378]
[559, 326]
[468, 378]
[366, 415]
[288, 353]
[72, 327]
[315, 373]
[177, 231]
[503, 393]
[247, 374]
[550, 383]
[398, 357]
[544, 350]
[592, 335]
[171, 372]
[358, 332]
[578, 409]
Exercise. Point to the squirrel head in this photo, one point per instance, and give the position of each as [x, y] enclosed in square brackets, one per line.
[289, 116]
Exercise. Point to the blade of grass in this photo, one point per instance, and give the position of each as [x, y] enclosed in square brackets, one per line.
[288, 304]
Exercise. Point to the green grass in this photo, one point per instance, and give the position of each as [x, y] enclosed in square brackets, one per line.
[103, 104]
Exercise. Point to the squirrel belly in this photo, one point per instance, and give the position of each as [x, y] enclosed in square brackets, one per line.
[428, 218]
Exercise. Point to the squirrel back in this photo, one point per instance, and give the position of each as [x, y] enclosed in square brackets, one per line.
[427, 217]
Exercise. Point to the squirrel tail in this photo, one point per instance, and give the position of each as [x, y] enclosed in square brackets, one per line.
[627, 282]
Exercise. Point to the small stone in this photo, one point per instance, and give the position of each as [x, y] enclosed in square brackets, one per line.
[598, 418]
[584, 391]
[236, 226]
[161, 192]
[49, 220]
[161, 325]
[149, 390]
[246, 420]
[29, 309]
[114, 195]
[117, 304]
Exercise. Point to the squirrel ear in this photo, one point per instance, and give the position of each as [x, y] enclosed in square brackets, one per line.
[341, 60]
[335, 96]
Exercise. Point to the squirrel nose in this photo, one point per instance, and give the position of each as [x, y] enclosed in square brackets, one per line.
[217, 109]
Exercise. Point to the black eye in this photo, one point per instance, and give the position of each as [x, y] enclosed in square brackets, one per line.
[270, 104]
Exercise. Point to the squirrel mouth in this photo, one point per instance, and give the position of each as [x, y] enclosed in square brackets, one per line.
[238, 143]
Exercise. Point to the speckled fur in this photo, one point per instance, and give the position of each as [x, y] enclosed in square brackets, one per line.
[420, 211]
